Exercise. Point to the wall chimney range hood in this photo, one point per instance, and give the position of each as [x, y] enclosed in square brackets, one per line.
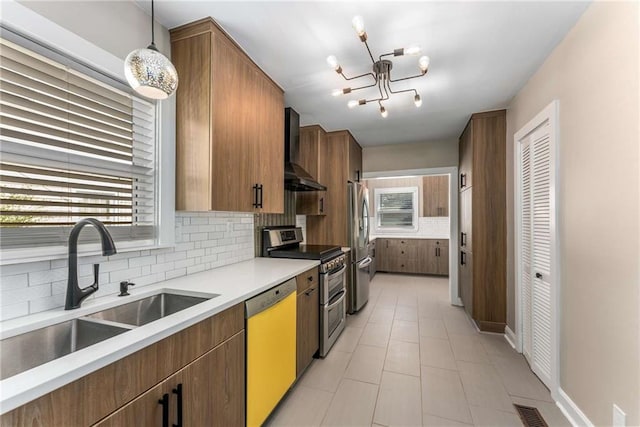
[295, 177]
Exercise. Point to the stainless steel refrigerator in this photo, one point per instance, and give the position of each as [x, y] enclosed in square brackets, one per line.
[358, 229]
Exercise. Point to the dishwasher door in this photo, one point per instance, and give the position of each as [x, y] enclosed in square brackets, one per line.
[271, 349]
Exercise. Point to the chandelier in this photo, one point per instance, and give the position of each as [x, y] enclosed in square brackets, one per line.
[381, 72]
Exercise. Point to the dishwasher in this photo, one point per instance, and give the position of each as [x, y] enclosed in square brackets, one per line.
[271, 349]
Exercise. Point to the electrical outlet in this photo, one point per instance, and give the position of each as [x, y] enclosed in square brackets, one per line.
[619, 417]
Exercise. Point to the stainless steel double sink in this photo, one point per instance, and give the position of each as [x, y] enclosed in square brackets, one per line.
[25, 351]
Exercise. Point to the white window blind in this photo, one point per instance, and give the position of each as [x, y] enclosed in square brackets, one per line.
[71, 147]
[396, 208]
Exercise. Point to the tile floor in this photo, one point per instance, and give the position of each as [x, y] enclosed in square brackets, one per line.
[411, 359]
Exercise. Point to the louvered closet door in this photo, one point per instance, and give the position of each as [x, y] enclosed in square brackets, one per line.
[541, 253]
[535, 251]
[525, 245]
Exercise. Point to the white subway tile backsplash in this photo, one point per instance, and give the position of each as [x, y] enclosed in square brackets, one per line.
[14, 282]
[14, 310]
[204, 240]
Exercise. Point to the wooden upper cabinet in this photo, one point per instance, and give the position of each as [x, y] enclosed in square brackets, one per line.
[435, 195]
[312, 157]
[229, 125]
[466, 158]
[355, 160]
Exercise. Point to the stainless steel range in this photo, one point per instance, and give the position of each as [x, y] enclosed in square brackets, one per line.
[284, 242]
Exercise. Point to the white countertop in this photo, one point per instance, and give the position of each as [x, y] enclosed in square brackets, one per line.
[233, 283]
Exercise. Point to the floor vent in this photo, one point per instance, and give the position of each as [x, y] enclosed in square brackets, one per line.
[530, 416]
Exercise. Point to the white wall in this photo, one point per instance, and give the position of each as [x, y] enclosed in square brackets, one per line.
[422, 155]
[203, 240]
[594, 73]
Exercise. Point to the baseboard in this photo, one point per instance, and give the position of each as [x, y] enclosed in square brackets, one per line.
[510, 336]
[570, 410]
[486, 326]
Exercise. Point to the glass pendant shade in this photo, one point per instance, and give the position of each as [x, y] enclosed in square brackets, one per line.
[150, 73]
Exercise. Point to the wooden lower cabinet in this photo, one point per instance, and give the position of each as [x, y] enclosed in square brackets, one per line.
[209, 391]
[308, 319]
[465, 260]
[211, 350]
[417, 256]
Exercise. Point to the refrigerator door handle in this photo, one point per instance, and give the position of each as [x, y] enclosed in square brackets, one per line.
[365, 262]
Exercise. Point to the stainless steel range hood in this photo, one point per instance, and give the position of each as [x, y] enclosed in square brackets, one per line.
[295, 177]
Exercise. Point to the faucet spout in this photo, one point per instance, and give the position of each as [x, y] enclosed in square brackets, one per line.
[75, 294]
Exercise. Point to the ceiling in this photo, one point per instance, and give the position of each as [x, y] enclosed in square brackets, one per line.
[481, 54]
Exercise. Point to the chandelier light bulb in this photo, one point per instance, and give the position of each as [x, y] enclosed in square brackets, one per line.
[383, 112]
[337, 92]
[358, 25]
[412, 50]
[423, 63]
[352, 103]
[333, 62]
[417, 100]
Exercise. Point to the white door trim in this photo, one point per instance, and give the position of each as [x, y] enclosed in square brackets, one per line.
[452, 171]
[548, 114]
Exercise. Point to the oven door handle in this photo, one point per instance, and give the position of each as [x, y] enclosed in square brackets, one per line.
[365, 262]
[337, 273]
[342, 294]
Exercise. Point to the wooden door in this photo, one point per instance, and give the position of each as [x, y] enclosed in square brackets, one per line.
[268, 143]
[193, 112]
[233, 120]
[355, 160]
[428, 256]
[443, 258]
[466, 218]
[465, 263]
[466, 157]
[308, 327]
[435, 195]
[211, 390]
[382, 254]
[312, 157]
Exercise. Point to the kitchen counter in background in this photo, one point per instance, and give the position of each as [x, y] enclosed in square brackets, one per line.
[233, 283]
[406, 236]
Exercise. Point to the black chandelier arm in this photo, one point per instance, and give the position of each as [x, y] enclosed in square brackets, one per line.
[357, 77]
[402, 91]
[382, 96]
[363, 87]
[407, 78]
[373, 61]
[385, 54]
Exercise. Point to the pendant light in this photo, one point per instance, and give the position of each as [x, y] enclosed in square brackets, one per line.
[149, 72]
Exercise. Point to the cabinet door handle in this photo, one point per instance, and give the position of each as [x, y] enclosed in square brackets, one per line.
[463, 258]
[358, 176]
[178, 392]
[260, 188]
[309, 291]
[387, 244]
[321, 204]
[255, 196]
[463, 239]
[463, 180]
[165, 409]
[402, 252]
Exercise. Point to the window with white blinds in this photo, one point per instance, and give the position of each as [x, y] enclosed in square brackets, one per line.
[396, 208]
[71, 147]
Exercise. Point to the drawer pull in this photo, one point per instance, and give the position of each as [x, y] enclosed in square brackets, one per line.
[178, 391]
[165, 409]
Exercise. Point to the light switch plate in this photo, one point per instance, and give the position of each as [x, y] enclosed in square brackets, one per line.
[619, 417]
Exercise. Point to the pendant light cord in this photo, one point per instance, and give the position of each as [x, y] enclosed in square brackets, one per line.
[152, 29]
